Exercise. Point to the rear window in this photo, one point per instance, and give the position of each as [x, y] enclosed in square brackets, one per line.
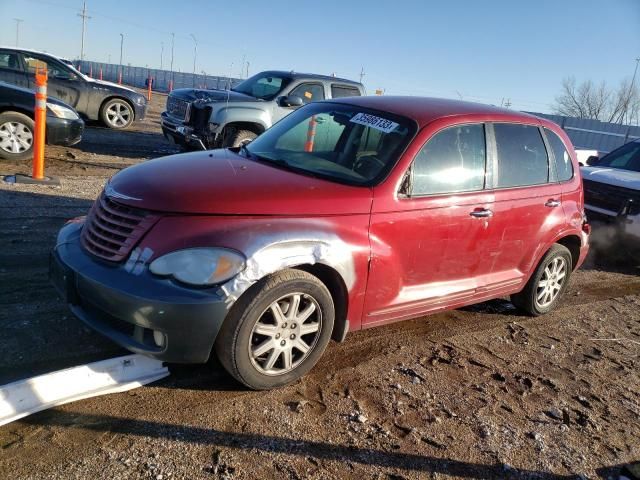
[564, 168]
[522, 156]
[338, 91]
[9, 60]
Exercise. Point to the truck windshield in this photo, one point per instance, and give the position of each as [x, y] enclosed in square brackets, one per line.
[338, 142]
[626, 157]
[263, 86]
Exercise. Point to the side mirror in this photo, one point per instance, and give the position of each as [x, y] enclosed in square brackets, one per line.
[290, 101]
[592, 160]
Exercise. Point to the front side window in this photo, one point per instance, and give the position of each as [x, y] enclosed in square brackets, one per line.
[564, 167]
[451, 161]
[626, 157]
[309, 92]
[54, 69]
[262, 86]
[343, 143]
[522, 157]
[9, 60]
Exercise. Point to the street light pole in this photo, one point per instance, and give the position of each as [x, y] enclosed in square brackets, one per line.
[121, 47]
[195, 54]
[173, 38]
[18, 22]
[161, 54]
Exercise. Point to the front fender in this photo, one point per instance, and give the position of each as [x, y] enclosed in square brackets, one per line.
[245, 114]
[273, 244]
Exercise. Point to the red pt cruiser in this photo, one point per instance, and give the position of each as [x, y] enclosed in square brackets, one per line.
[347, 214]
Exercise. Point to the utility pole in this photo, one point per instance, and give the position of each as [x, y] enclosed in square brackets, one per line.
[507, 104]
[84, 17]
[362, 74]
[195, 54]
[173, 37]
[18, 22]
[161, 54]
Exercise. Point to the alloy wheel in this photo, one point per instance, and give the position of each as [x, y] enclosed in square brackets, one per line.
[15, 137]
[551, 282]
[118, 114]
[285, 334]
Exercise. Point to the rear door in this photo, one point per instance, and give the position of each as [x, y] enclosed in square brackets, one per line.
[11, 69]
[428, 246]
[341, 90]
[528, 202]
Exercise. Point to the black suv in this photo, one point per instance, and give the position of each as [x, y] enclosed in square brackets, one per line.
[17, 104]
[115, 105]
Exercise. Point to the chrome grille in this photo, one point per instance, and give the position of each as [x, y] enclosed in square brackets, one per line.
[177, 107]
[112, 229]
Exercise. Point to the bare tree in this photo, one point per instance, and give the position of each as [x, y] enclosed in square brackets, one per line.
[599, 102]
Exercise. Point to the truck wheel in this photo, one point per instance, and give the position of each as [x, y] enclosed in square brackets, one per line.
[117, 114]
[547, 284]
[277, 331]
[236, 138]
[16, 136]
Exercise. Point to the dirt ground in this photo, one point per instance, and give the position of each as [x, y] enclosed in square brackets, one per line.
[481, 392]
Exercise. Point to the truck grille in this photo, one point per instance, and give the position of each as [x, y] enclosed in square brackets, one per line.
[112, 229]
[177, 107]
[609, 197]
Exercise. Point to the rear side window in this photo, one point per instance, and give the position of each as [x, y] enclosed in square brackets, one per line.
[522, 157]
[9, 60]
[339, 91]
[564, 168]
[309, 92]
[452, 161]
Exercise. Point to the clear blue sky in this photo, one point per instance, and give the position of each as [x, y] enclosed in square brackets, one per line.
[481, 50]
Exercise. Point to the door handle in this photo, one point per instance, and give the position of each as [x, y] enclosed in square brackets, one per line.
[552, 203]
[481, 213]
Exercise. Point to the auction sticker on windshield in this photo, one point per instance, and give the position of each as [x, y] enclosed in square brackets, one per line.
[372, 121]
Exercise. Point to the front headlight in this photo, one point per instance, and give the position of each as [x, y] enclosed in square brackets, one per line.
[62, 112]
[199, 266]
[140, 100]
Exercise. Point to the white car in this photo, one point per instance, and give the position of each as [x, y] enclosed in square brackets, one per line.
[612, 191]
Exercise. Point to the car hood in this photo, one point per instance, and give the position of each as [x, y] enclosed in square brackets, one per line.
[225, 183]
[612, 176]
[213, 95]
[113, 87]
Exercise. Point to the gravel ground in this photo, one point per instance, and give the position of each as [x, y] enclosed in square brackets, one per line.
[480, 392]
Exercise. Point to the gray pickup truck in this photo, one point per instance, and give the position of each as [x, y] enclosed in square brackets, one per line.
[206, 119]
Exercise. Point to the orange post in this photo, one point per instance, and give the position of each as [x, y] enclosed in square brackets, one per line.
[91, 71]
[100, 73]
[311, 134]
[170, 85]
[120, 77]
[40, 124]
[149, 88]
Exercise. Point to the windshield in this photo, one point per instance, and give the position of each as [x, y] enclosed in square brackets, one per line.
[626, 157]
[338, 142]
[263, 86]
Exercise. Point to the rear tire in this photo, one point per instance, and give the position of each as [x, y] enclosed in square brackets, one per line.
[263, 343]
[16, 136]
[547, 284]
[236, 138]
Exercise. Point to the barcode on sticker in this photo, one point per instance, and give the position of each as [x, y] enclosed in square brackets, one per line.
[372, 121]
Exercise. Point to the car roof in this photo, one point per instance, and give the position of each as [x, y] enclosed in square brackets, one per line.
[424, 110]
[29, 50]
[314, 76]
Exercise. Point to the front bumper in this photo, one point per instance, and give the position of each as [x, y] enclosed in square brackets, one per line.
[181, 134]
[142, 313]
[140, 111]
[62, 131]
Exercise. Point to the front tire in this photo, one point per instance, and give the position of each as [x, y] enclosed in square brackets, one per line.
[236, 138]
[16, 136]
[117, 114]
[547, 284]
[277, 331]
